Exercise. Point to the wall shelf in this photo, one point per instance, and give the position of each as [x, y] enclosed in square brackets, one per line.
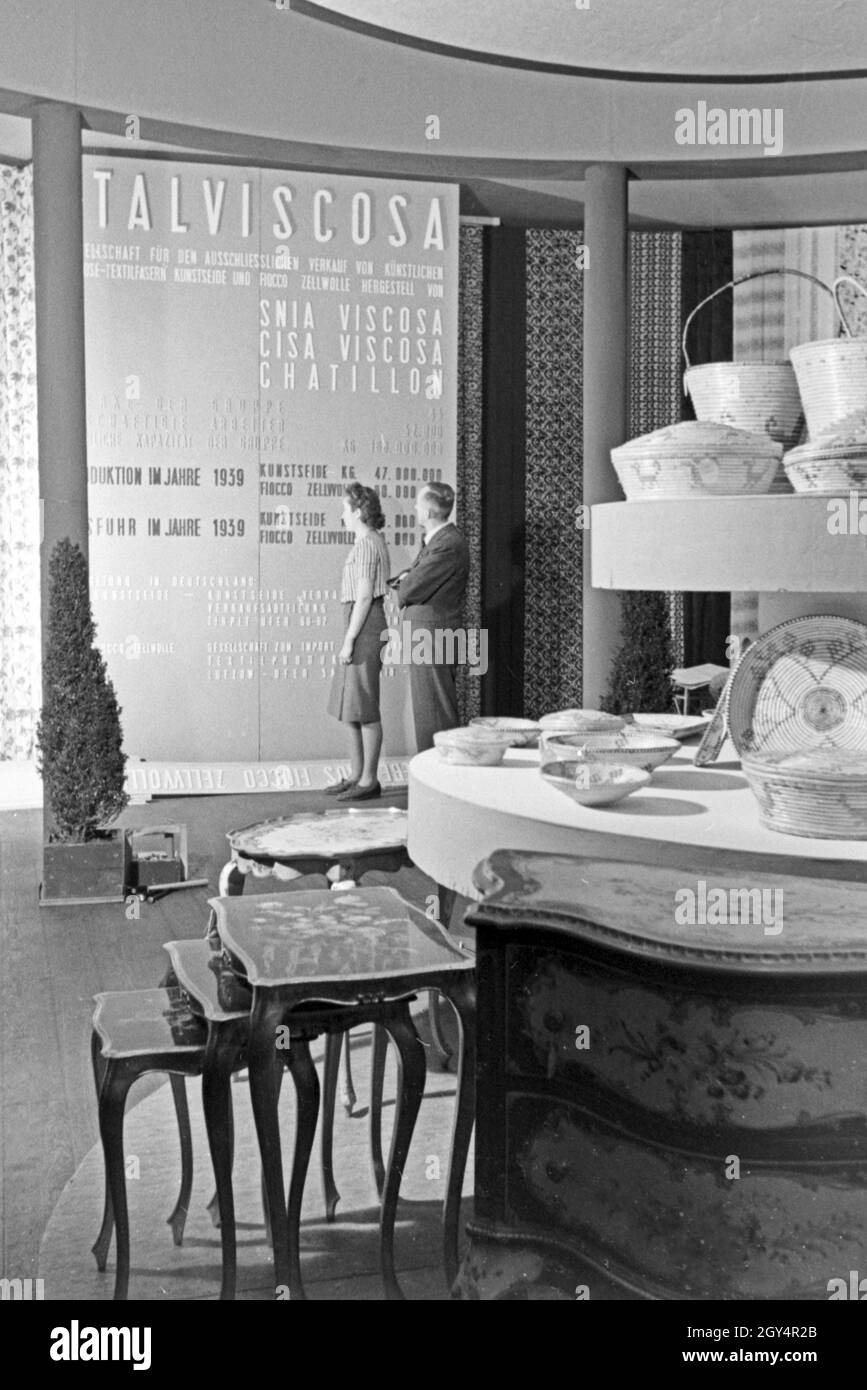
[778, 543]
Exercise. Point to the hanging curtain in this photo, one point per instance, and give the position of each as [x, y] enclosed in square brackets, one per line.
[20, 694]
[469, 469]
[553, 592]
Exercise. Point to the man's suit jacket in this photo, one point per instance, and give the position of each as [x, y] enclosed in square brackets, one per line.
[432, 591]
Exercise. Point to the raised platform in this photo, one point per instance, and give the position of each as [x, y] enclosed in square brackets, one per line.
[750, 544]
[459, 815]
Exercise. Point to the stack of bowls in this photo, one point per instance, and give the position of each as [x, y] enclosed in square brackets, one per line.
[630, 747]
[581, 721]
[834, 461]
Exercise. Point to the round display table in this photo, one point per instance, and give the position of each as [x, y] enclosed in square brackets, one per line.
[460, 815]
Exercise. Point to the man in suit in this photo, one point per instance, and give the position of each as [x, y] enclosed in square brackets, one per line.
[431, 596]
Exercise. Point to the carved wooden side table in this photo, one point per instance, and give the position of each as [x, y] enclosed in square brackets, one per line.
[673, 1065]
[368, 949]
[343, 844]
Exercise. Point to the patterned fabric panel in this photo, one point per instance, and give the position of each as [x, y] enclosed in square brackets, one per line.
[20, 693]
[852, 260]
[656, 393]
[554, 550]
[555, 329]
[469, 470]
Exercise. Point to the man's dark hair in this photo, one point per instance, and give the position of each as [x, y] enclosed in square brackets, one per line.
[441, 499]
[366, 500]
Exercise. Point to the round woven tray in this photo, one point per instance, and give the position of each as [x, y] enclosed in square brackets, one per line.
[802, 685]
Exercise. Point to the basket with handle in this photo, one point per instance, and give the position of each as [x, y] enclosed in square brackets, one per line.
[758, 396]
[832, 373]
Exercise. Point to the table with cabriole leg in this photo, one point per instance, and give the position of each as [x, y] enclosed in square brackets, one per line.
[369, 949]
[344, 845]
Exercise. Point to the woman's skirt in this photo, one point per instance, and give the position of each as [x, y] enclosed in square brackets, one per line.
[354, 697]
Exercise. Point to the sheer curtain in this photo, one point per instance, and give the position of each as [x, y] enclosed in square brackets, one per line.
[20, 694]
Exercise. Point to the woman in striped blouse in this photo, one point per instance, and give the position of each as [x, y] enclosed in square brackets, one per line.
[354, 698]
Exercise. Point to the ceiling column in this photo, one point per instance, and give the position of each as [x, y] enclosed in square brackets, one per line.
[606, 395]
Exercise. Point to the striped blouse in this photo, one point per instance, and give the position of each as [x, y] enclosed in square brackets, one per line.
[368, 559]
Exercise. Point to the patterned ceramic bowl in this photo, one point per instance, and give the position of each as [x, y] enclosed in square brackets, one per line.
[581, 721]
[594, 784]
[522, 733]
[831, 476]
[696, 459]
[472, 747]
[634, 748]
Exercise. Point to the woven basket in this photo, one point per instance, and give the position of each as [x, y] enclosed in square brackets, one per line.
[758, 396]
[832, 373]
[820, 794]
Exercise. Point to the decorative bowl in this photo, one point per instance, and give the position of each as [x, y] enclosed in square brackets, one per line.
[832, 462]
[522, 733]
[820, 793]
[696, 459]
[578, 721]
[829, 476]
[672, 725]
[471, 747]
[594, 784]
[633, 748]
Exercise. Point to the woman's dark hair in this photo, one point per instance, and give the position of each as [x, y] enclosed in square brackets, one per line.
[366, 500]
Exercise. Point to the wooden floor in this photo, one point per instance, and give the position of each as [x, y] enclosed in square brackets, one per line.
[52, 962]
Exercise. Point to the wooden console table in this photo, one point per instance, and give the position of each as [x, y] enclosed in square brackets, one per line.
[674, 1108]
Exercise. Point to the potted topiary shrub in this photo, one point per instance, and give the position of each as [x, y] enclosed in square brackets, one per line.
[80, 744]
[641, 673]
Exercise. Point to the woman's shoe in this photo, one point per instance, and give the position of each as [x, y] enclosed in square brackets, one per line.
[343, 785]
[358, 793]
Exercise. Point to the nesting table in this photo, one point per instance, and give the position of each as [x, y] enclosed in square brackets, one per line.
[343, 844]
[368, 950]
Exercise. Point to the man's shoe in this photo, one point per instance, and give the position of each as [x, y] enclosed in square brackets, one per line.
[359, 793]
[342, 786]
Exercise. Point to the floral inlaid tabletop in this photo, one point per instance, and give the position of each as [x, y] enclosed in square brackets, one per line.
[328, 835]
[362, 933]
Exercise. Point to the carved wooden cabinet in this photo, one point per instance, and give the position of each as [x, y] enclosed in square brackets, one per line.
[672, 1083]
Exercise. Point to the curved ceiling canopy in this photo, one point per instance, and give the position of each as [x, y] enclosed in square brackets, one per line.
[664, 40]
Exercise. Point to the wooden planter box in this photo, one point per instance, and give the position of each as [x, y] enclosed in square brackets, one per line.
[95, 872]
[159, 857]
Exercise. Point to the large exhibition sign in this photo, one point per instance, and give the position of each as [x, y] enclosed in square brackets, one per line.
[255, 339]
